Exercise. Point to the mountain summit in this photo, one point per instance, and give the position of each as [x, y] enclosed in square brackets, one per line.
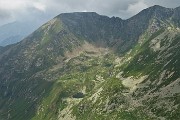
[85, 66]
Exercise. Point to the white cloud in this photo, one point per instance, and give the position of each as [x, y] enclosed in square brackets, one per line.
[14, 4]
[40, 6]
[136, 7]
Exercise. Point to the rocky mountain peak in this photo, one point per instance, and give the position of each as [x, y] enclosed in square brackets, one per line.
[81, 66]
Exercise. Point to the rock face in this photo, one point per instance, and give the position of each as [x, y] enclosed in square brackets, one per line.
[94, 67]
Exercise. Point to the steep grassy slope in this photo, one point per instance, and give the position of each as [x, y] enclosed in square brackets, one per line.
[88, 66]
[139, 85]
[159, 60]
[102, 92]
[24, 67]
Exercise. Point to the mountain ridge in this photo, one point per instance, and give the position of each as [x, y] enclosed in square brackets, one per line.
[79, 65]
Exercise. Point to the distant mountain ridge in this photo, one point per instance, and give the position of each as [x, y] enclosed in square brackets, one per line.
[16, 31]
[85, 66]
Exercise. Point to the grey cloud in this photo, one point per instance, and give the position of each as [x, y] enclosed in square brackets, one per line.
[120, 8]
[165, 3]
[4, 14]
[105, 7]
[5, 17]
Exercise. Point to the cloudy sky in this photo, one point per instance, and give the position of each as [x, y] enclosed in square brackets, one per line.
[43, 10]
